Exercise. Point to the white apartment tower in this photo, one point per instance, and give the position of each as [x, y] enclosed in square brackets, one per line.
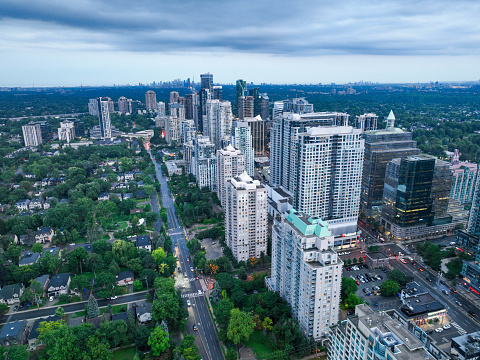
[241, 139]
[32, 134]
[124, 105]
[66, 131]
[93, 107]
[327, 176]
[230, 164]
[150, 100]
[218, 123]
[246, 217]
[173, 130]
[161, 108]
[188, 131]
[204, 162]
[306, 271]
[104, 118]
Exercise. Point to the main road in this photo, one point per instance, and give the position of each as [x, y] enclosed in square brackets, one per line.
[198, 311]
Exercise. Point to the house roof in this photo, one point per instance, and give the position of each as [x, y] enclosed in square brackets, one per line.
[29, 258]
[143, 240]
[124, 275]
[52, 251]
[123, 315]
[144, 308]
[141, 193]
[36, 324]
[44, 230]
[42, 280]
[12, 329]
[103, 194]
[9, 290]
[59, 280]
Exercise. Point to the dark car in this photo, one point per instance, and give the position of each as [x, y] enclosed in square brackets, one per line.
[194, 327]
[443, 282]
[428, 278]
[471, 312]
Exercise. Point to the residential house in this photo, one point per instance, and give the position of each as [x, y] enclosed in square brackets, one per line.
[30, 175]
[47, 204]
[125, 278]
[136, 211]
[96, 321]
[43, 280]
[121, 186]
[88, 248]
[59, 285]
[14, 333]
[33, 341]
[44, 234]
[103, 196]
[144, 312]
[129, 175]
[141, 194]
[123, 315]
[36, 203]
[127, 196]
[143, 242]
[10, 294]
[63, 201]
[44, 182]
[120, 177]
[141, 183]
[23, 204]
[104, 177]
[29, 258]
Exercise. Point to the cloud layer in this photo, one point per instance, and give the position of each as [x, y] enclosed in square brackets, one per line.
[281, 28]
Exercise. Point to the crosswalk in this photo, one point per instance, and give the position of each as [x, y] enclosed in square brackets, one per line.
[192, 295]
[458, 327]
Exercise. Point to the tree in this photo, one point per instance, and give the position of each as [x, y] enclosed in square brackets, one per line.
[158, 341]
[76, 258]
[17, 352]
[151, 217]
[3, 308]
[242, 273]
[142, 333]
[158, 255]
[92, 309]
[373, 248]
[222, 311]
[267, 325]
[32, 293]
[231, 354]
[37, 248]
[352, 300]
[240, 326]
[216, 293]
[137, 285]
[60, 312]
[80, 282]
[349, 286]
[388, 288]
[397, 276]
[114, 269]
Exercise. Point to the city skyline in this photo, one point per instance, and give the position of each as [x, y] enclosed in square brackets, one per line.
[52, 43]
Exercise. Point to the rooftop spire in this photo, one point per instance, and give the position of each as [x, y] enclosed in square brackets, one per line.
[391, 120]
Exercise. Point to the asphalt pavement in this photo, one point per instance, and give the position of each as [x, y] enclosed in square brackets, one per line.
[206, 337]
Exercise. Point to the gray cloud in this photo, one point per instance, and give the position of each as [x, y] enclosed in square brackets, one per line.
[289, 28]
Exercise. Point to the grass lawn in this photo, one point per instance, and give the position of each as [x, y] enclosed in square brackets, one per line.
[262, 346]
[124, 354]
[122, 225]
[121, 290]
[119, 308]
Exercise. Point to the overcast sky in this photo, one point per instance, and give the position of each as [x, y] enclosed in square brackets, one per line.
[105, 42]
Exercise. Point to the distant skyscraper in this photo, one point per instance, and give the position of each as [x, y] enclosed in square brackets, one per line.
[282, 145]
[182, 100]
[246, 217]
[206, 88]
[277, 111]
[104, 118]
[188, 131]
[381, 146]
[93, 107]
[79, 128]
[297, 106]
[257, 128]
[191, 108]
[240, 88]
[230, 164]
[174, 97]
[306, 271]
[264, 106]
[218, 122]
[245, 107]
[255, 93]
[327, 173]
[217, 92]
[123, 105]
[111, 106]
[177, 110]
[150, 100]
[66, 131]
[366, 122]
[241, 139]
[32, 134]
[161, 108]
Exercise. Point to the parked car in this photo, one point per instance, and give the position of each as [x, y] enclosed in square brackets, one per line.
[458, 303]
[471, 312]
[439, 330]
[188, 302]
[194, 327]
[447, 326]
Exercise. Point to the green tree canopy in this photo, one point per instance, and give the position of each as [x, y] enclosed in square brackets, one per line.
[240, 326]
[389, 288]
[158, 341]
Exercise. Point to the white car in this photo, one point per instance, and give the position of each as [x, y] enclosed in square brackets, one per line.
[447, 326]
[51, 298]
[183, 285]
[200, 292]
[439, 330]
[188, 304]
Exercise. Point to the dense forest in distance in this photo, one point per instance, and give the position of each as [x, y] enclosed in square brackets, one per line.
[441, 118]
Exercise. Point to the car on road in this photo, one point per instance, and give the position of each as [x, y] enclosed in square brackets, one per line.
[113, 298]
[471, 312]
[191, 269]
[428, 278]
[183, 285]
[454, 290]
[445, 291]
[443, 282]
[458, 303]
[428, 332]
[15, 308]
[188, 302]
[439, 330]
[213, 242]
[420, 269]
[179, 269]
[188, 260]
[185, 274]
[194, 327]
[447, 326]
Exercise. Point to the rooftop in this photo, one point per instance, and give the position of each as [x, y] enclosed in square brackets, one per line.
[308, 225]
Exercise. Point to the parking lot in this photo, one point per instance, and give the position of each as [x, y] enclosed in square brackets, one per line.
[368, 282]
[213, 249]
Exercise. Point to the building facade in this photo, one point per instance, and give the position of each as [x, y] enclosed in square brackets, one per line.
[366, 122]
[124, 105]
[32, 134]
[93, 107]
[241, 139]
[246, 107]
[204, 162]
[66, 131]
[246, 217]
[188, 131]
[381, 146]
[257, 128]
[306, 271]
[150, 100]
[230, 164]
[104, 118]
[464, 181]
[218, 122]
